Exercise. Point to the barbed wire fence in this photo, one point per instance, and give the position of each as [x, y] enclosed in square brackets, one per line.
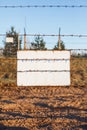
[77, 61]
[78, 65]
[78, 55]
[52, 36]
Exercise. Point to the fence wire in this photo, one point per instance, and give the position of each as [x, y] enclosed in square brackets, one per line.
[43, 6]
[53, 35]
[78, 59]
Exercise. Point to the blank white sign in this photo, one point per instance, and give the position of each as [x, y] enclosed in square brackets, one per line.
[9, 39]
[43, 68]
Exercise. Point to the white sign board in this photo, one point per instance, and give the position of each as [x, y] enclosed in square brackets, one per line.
[43, 68]
[9, 39]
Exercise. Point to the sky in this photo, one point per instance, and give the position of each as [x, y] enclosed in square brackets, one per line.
[46, 21]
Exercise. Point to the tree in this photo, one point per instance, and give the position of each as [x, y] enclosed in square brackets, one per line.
[10, 48]
[62, 46]
[38, 44]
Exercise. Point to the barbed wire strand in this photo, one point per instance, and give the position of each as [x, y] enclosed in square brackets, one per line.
[50, 49]
[15, 59]
[53, 35]
[43, 6]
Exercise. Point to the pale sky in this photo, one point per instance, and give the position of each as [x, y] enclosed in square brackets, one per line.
[46, 20]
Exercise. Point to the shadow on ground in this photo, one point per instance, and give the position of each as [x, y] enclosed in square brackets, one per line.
[82, 127]
[2, 127]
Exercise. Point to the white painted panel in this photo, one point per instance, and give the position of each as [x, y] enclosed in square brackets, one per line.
[43, 54]
[43, 79]
[9, 39]
[43, 68]
[43, 65]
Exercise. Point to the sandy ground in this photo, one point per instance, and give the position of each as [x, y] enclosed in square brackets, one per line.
[44, 108]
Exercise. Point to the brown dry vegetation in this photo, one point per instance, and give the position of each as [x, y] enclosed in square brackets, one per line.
[44, 108]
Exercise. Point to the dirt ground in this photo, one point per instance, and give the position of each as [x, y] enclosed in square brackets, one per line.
[44, 108]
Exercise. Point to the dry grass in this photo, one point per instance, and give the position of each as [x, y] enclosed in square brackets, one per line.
[44, 108]
[79, 71]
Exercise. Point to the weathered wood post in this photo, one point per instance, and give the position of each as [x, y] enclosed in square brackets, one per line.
[24, 39]
[59, 40]
[18, 41]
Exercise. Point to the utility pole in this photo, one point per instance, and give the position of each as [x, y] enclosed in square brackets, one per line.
[59, 40]
[24, 39]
